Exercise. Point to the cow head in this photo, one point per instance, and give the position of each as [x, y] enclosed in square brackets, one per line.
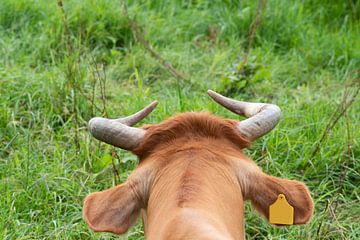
[182, 156]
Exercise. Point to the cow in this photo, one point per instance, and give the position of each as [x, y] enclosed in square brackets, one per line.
[193, 177]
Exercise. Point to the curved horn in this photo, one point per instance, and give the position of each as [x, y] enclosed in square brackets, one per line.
[262, 117]
[118, 132]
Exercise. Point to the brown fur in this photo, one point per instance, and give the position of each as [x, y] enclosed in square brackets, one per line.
[189, 127]
[191, 183]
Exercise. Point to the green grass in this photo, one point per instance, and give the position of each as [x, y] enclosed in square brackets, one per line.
[303, 55]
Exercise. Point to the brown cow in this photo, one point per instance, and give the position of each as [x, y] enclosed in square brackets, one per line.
[192, 178]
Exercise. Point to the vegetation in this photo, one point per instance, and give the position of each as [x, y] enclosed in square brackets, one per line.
[60, 68]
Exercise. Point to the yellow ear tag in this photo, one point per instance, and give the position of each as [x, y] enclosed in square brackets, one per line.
[281, 212]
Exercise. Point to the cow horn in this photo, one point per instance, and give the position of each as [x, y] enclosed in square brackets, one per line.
[118, 132]
[262, 117]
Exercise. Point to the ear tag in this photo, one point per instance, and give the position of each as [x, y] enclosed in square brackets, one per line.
[281, 212]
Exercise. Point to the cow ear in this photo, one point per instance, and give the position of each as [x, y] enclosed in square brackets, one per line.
[113, 210]
[263, 191]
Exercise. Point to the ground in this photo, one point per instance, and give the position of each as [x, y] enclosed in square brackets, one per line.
[60, 68]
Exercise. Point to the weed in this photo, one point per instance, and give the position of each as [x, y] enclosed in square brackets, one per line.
[302, 55]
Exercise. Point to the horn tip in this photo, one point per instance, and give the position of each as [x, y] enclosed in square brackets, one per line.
[154, 103]
[216, 96]
[94, 122]
[152, 106]
[212, 93]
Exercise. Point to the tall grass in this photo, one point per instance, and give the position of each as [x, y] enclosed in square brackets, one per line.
[303, 55]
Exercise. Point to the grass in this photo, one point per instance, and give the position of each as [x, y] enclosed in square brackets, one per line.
[303, 55]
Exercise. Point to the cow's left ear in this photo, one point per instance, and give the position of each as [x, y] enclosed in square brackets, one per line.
[263, 190]
[113, 210]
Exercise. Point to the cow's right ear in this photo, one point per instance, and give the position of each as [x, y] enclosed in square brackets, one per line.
[263, 191]
[113, 210]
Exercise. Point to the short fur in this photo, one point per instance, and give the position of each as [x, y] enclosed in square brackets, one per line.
[190, 127]
[191, 183]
